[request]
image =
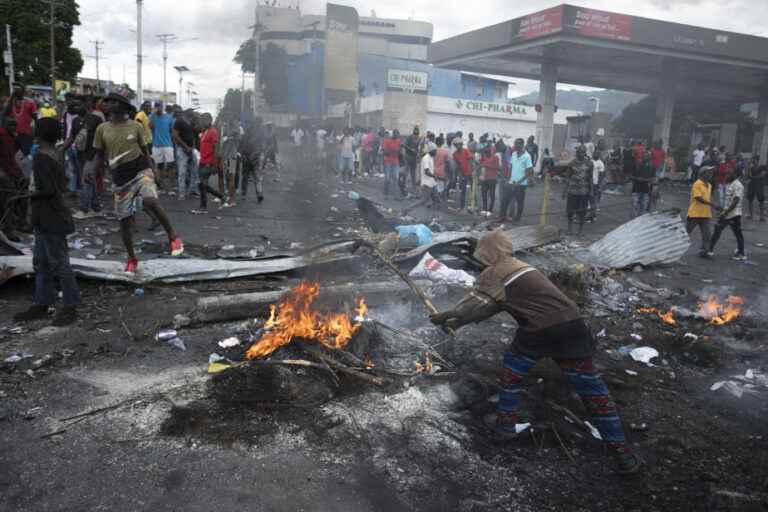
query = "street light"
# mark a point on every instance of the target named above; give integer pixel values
(596, 101)
(181, 70)
(169, 38)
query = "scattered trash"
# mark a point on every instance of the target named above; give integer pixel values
(750, 374)
(177, 343)
(595, 433)
(732, 387)
(353, 195)
(638, 427)
(90, 256)
(521, 427)
(296, 245)
(217, 367)
(334, 209)
(631, 372)
(644, 354)
(434, 270)
(422, 232)
(601, 334)
(215, 358)
(690, 336)
(234, 341)
(166, 334)
(16, 357)
(636, 337)
(139, 292)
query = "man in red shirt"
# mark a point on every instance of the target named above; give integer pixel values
(390, 148)
(23, 111)
(721, 178)
(209, 139)
(463, 158)
(657, 158)
(13, 184)
(638, 151)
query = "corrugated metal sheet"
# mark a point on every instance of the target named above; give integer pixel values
(657, 237)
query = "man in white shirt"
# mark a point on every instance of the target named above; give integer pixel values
(321, 156)
(598, 178)
(731, 216)
(428, 181)
(697, 158)
(298, 135)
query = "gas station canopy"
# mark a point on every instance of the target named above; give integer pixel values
(615, 51)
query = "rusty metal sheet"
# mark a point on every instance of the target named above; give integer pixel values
(653, 238)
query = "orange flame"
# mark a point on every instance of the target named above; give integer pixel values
(719, 314)
(427, 366)
(295, 317)
(668, 317)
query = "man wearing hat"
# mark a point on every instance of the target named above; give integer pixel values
(120, 143)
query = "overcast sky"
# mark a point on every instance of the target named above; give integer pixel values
(221, 25)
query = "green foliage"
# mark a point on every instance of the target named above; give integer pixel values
(273, 69)
(30, 34)
(246, 56)
(231, 107)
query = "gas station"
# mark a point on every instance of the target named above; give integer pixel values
(587, 47)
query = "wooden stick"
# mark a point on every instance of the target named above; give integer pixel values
(318, 353)
(418, 291)
(562, 444)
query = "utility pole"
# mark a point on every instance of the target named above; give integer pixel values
(8, 57)
(97, 47)
(53, 51)
(139, 87)
(257, 64)
(165, 38)
(181, 70)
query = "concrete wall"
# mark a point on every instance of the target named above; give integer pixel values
(404, 111)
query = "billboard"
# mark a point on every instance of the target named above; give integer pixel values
(340, 74)
(608, 25)
(539, 24)
(407, 80)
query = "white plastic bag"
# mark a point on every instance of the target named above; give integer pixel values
(434, 270)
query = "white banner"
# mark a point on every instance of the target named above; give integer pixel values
(407, 80)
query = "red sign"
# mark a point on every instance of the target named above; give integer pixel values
(541, 24)
(609, 25)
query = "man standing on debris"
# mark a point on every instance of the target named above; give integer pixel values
(549, 325)
(731, 216)
(578, 188)
(52, 222)
(120, 142)
(700, 208)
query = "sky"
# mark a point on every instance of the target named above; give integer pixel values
(210, 31)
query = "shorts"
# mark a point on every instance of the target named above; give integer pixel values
(577, 203)
(163, 155)
(128, 197)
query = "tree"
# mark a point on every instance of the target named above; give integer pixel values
(30, 35)
(246, 56)
(273, 69)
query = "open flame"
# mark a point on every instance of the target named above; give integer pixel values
(667, 318)
(295, 317)
(720, 314)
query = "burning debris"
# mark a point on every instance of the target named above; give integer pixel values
(297, 317)
(667, 318)
(717, 313)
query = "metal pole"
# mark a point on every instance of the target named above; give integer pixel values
(165, 64)
(139, 87)
(242, 98)
(181, 90)
(9, 57)
(53, 52)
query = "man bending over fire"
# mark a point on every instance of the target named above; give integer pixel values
(550, 325)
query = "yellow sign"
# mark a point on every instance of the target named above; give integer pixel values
(60, 89)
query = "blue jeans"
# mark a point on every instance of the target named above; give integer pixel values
(390, 176)
(640, 201)
(73, 169)
(50, 259)
(185, 164)
(89, 198)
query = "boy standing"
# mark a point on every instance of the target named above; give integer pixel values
(52, 223)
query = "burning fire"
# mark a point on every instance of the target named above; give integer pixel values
(720, 314)
(668, 317)
(295, 317)
(427, 366)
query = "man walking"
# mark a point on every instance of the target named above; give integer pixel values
(161, 125)
(186, 164)
(23, 111)
(731, 216)
(120, 142)
(411, 147)
(578, 188)
(756, 186)
(533, 150)
(52, 223)
(464, 161)
(251, 148)
(700, 209)
(513, 191)
(390, 147)
(642, 177)
(209, 140)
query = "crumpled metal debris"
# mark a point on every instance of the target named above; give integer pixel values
(653, 238)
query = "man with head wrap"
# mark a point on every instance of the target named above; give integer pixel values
(549, 325)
